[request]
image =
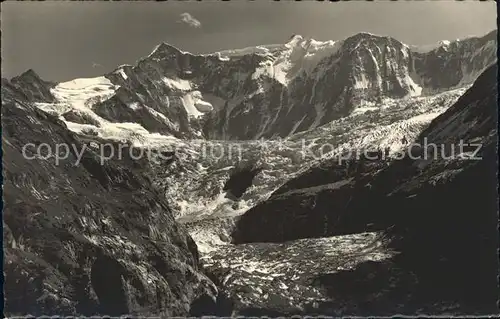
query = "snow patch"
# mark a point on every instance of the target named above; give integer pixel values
(444, 43)
(134, 105)
(415, 89)
(179, 84)
(122, 73)
(317, 51)
(365, 107)
(260, 49)
(83, 83)
(287, 60)
(361, 82)
(79, 93)
(195, 105)
(425, 48)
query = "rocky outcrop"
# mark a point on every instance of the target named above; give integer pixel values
(80, 118)
(240, 180)
(33, 86)
(455, 63)
(308, 206)
(438, 212)
(83, 237)
(168, 90)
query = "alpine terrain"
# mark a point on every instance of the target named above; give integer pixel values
(354, 177)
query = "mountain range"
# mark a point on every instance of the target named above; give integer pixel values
(264, 91)
(274, 231)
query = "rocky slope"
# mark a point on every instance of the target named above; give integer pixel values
(438, 214)
(91, 238)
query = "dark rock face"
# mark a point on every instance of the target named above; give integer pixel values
(460, 247)
(33, 86)
(439, 214)
(455, 64)
(310, 205)
(157, 119)
(89, 238)
(81, 118)
(240, 180)
(162, 84)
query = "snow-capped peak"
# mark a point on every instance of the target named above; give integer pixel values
(165, 47)
(444, 43)
(367, 34)
(294, 40)
(431, 47)
(260, 49)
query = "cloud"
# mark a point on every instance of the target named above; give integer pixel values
(188, 19)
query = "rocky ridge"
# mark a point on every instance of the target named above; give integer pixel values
(87, 239)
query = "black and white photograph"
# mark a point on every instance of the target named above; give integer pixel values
(265, 159)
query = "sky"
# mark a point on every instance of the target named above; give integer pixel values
(65, 40)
